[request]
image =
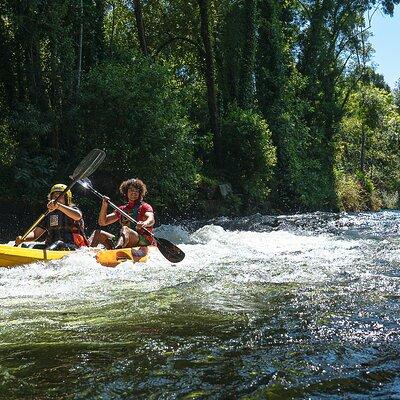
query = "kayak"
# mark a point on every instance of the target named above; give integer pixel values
(11, 256)
(111, 258)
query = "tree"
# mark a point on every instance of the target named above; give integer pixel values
(209, 72)
(236, 38)
(135, 111)
(396, 94)
(249, 157)
(137, 6)
(369, 142)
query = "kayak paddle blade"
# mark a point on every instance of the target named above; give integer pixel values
(89, 164)
(169, 250)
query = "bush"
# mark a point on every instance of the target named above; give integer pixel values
(357, 193)
(34, 176)
(390, 200)
(350, 193)
(366, 182)
(248, 155)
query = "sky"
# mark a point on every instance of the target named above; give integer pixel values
(386, 42)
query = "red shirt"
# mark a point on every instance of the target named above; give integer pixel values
(138, 216)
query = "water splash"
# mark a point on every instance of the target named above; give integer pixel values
(299, 306)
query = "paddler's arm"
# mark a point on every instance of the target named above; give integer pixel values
(104, 218)
(148, 222)
(70, 212)
(35, 234)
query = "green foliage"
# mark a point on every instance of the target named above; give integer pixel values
(357, 193)
(370, 76)
(134, 112)
(396, 95)
(365, 181)
(368, 144)
(210, 202)
(390, 200)
(7, 145)
(249, 156)
(350, 193)
(235, 43)
(31, 127)
(34, 176)
(203, 180)
(296, 71)
(296, 118)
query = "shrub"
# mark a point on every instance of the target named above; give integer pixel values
(356, 193)
(248, 155)
(350, 193)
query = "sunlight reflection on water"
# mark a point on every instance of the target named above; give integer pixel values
(307, 309)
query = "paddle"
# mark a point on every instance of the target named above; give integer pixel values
(168, 250)
(86, 167)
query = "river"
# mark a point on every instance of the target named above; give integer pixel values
(290, 307)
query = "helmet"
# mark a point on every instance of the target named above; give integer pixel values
(59, 187)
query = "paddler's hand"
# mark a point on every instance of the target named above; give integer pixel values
(105, 201)
(140, 225)
(52, 205)
(18, 240)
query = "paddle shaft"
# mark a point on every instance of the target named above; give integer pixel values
(115, 207)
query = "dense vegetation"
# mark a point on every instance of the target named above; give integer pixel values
(276, 98)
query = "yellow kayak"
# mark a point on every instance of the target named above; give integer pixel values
(11, 256)
(111, 258)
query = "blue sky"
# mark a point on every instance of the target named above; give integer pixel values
(386, 42)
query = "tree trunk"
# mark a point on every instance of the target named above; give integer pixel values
(246, 87)
(210, 79)
(140, 26)
(110, 51)
(362, 149)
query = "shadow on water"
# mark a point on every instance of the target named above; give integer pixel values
(297, 311)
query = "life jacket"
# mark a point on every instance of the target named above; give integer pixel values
(134, 213)
(78, 234)
(60, 227)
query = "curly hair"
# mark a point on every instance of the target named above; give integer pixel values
(133, 183)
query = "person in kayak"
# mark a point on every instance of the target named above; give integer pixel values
(63, 224)
(133, 190)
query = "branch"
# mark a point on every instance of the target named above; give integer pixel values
(346, 97)
(362, 30)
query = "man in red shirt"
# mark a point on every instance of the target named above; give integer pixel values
(134, 191)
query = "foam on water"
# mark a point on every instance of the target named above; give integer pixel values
(301, 306)
(217, 260)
